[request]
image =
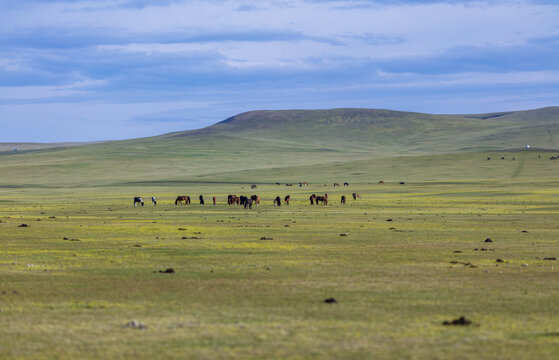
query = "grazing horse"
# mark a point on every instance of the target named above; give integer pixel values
(287, 199)
(201, 199)
(214, 199)
(255, 199)
(182, 198)
(312, 198)
(322, 199)
(381, 182)
(138, 200)
(153, 201)
(343, 200)
(346, 184)
(248, 203)
(402, 183)
(336, 184)
(243, 200)
(277, 201)
(356, 196)
(253, 186)
(233, 199)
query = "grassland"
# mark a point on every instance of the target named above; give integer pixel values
(400, 260)
(89, 262)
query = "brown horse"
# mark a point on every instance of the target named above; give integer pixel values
(381, 182)
(287, 199)
(255, 199)
(343, 200)
(356, 196)
(312, 198)
(233, 200)
(322, 199)
(182, 198)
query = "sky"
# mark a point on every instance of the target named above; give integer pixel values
(86, 70)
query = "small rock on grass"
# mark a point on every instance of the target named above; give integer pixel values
(135, 324)
(460, 321)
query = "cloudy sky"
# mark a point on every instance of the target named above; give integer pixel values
(80, 70)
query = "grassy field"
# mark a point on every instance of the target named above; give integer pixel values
(252, 283)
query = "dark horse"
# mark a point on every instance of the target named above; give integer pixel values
(201, 199)
(233, 199)
(138, 200)
(343, 200)
(287, 199)
(255, 199)
(248, 203)
(312, 198)
(182, 198)
(322, 199)
(277, 201)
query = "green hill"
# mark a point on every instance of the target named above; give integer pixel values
(288, 145)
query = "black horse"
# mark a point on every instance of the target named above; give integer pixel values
(312, 198)
(138, 200)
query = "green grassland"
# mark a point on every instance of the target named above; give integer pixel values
(400, 260)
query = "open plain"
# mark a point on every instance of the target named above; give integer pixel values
(252, 283)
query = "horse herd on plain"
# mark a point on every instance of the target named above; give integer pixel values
(248, 202)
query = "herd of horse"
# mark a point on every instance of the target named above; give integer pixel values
(248, 202)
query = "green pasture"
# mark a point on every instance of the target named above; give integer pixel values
(399, 261)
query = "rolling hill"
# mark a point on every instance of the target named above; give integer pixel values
(284, 145)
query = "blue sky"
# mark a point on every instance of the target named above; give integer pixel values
(77, 70)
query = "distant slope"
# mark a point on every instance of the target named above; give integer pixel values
(24, 146)
(392, 132)
(290, 144)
